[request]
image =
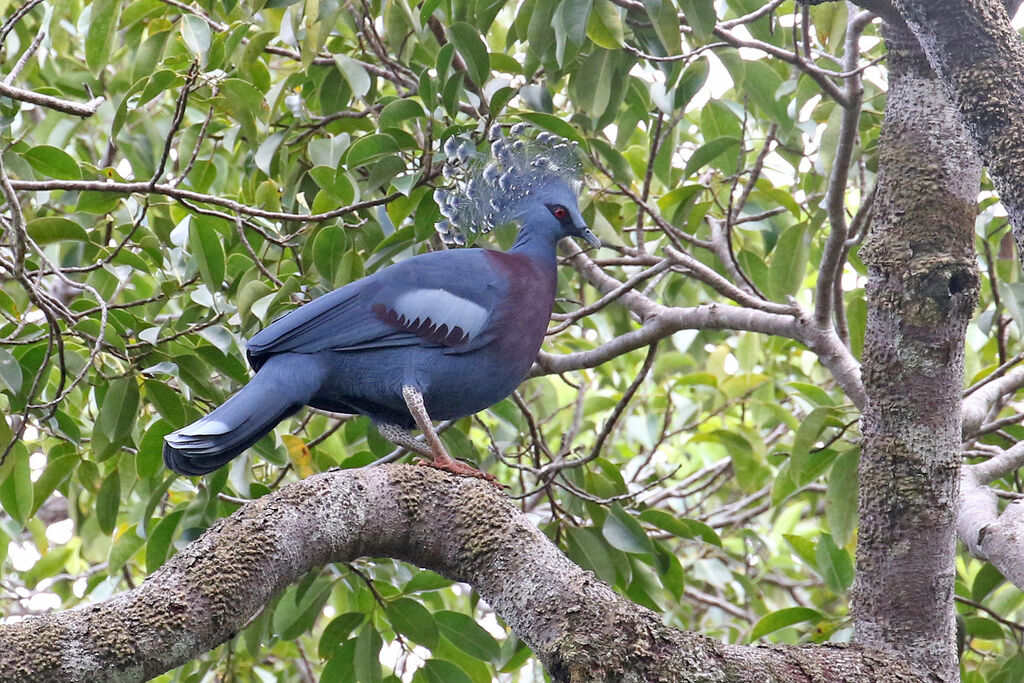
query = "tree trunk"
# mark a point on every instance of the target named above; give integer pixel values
(462, 528)
(922, 288)
(980, 59)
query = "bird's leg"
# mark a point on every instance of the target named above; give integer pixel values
(434, 447)
(401, 437)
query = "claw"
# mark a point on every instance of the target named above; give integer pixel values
(460, 469)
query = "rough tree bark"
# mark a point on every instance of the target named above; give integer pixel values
(921, 290)
(578, 626)
(980, 61)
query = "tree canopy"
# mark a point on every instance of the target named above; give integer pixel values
(176, 175)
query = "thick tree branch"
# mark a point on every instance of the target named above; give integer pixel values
(980, 402)
(462, 528)
(987, 533)
(979, 58)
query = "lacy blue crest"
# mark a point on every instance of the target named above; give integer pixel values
(487, 190)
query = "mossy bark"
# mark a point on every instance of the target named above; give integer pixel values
(463, 528)
(922, 288)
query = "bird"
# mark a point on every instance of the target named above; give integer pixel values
(438, 336)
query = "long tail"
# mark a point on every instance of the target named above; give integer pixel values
(282, 386)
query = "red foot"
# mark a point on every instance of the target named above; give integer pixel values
(460, 469)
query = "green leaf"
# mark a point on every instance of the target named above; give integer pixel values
(747, 464)
(684, 528)
(205, 244)
(782, 618)
(708, 152)
(570, 24)
(451, 93)
(101, 33)
(16, 493)
(841, 496)
(197, 36)
(789, 261)
(149, 54)
(98, 203)
(617, 163)
(398, 111)
(472, 49)
(983, 628)
(251, 292)
(586, 548)
(119, 408)
(624, 533)
(986, 581)
(10, 372)
(463, 632)
(367, 654)
(51, 229)
(412, 619)
(158, 83)
(815, 393)
(53, 162)
(604, 26)
(555, 125)
(298, 610)
(803, 547)
(354, 73)
(166, 401)
(803, 442)
(245, 104)
(57, 470)
(700, 15)
(334, 182)
(592, 82)
(369, 148)
(440, 671)
(328, 248)
(126, 545)
(425, 580)
(339, 628)
(159, 541)
(666, 24)
(341, 668)
(149, 460)
(762, 82)
(48, 565)
(107, 502)
(834, 564)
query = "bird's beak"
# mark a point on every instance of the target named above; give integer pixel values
(592, 239)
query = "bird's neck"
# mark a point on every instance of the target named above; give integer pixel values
(539, 247)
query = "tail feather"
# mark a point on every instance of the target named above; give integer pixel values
(280, 388)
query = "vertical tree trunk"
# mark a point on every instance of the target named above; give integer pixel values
(980, 59)
(922, 287)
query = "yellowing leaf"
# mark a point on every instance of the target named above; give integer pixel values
(298, 453)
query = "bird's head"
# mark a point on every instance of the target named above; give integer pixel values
(552, 211)
(532, 180)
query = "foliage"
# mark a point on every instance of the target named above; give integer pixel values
(248, 157)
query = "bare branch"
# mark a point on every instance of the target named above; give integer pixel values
(180, 194)
(51, 102)
(835, 199)
(977, 405)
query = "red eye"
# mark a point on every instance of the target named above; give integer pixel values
(560, 212)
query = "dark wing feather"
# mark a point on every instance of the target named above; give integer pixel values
(413, 302)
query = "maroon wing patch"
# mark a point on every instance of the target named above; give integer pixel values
(424, 328)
